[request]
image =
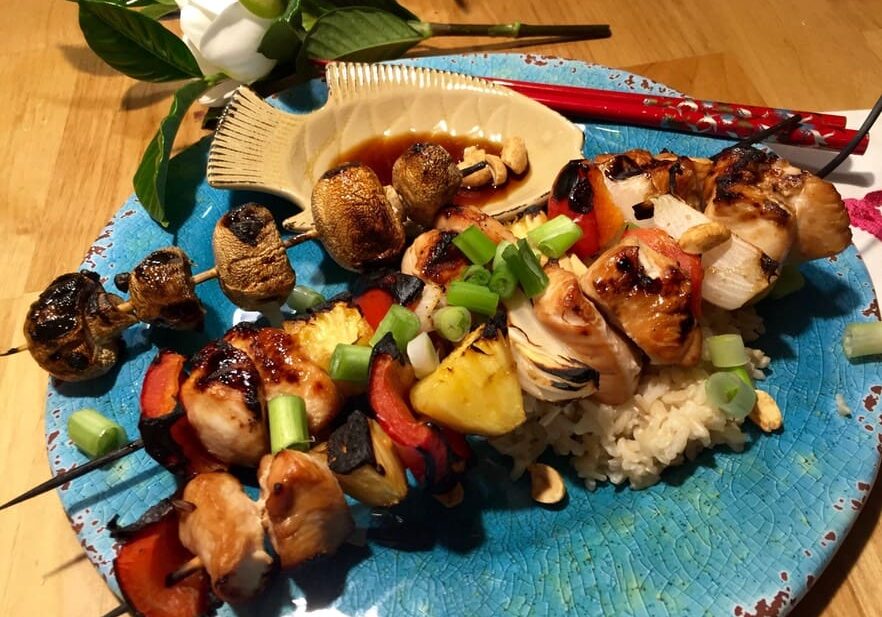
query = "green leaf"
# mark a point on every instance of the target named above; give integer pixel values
(149, 180)
(285, 35)
(135, 44)
(313, 9)
(358, 34)
(158, 10)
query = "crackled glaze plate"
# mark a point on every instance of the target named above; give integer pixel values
(728, 533)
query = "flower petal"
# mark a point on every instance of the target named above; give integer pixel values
(231, 43)
(217, 96)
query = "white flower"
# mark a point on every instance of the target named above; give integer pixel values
(224, 36)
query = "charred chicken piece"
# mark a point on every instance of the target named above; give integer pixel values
(357, 222)
(285, 370)
(649, 297)
(224, 530)
(73, 328)
(225, 404)
(250, 258)
(459, 218)
(162, 291)
(776, 206)
(426, 178)
(304, 510)
(433, 258)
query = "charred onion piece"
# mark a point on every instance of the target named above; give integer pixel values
(162, 290)
(426, 178)
(250, 258)
(73, 327)
(355, 220)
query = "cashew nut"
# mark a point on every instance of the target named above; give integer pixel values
(498, 171)
(470, 156)
(766, 414)
(704, 237)
(514, 154)
(546, 484)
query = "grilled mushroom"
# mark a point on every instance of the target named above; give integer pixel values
(356, 221)
(250, 258)
(426, 178)
(73, 328)
(162, 290)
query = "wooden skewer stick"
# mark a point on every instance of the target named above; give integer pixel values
(191, 567)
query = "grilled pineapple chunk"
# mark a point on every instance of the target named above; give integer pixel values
(321, 331)
(475, 390)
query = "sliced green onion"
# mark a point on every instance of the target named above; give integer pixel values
(503, 281)
(555, 237)
(862, 339)
(452, 322)
(475, 245)
(94, 434)
(289, 427)
(790, 280)
(727, 350)
(350, 363)
(524, 265)
(479, 275)
(422, 355)
(727, 392)
(401, 322)
(473, 297)
(742, 374)
(302, 298)
(498, 259)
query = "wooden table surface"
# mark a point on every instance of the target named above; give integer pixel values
(73, 131)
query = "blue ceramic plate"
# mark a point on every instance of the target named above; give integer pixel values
(727, 534)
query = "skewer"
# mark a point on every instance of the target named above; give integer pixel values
(191, 567)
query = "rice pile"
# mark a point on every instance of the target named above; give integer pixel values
(666, 422)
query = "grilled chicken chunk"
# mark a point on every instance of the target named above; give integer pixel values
(284, 370)
(649, 297)
(224, 530)
(73, 328)
(251, 263)
(162, 291)
(460, 218)
(225, 403)
(433, 258)
(573, 318)
(304, 510)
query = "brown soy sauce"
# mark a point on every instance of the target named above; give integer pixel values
(380, 153)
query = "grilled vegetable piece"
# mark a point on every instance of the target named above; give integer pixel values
(303, 507)
(376, 291)
(735, 272)
(285, 370)
(149, 552)
(426, 178)
(530, 219)
(459, 218)
(379, 482)
(168, 437)
(73, 328)
(162, 291)
(649, 296)
(475, 389)
(225, 403)
(358, 224)
(224, 530)
(319, 332)
(434, 455)
(250, 258)
(433, 258)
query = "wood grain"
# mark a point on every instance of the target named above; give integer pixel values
(73, 131)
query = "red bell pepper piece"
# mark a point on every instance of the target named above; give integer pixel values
(660, 242)
(374, 304)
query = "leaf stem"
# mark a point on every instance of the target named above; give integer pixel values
(513, 30)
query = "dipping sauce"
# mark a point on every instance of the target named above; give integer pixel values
(380, 153)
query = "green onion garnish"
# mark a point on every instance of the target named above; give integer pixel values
(790, 280)
(498, 259)
(742, 374)
(727, 350)
(479, 275)
(302, 298)
(452, 322)
(402, 323)
(94, 434)
(503, 281)
(475, 245)
(473, 297)
(422, 355)
(555, 237)
(727, 392)
(350, 363)
(524, 265)
(862, 339)
(289, 427)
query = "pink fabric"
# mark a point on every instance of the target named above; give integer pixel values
(866, 213)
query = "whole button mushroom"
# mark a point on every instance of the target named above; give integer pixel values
(358, 225)
(426, 178)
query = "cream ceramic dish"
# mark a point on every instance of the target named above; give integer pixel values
(258, 147)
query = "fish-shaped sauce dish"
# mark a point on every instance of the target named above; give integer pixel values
(258, 147)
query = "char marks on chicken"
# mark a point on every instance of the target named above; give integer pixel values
(73, 327)
(433, 258)
(162, 291)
